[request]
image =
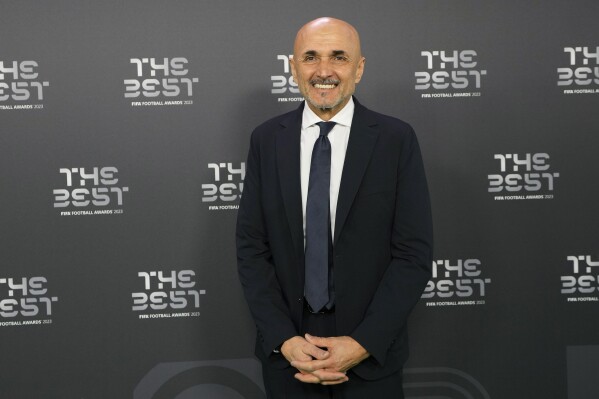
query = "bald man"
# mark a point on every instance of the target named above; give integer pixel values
(334, 231)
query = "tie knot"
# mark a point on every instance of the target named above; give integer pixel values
(325, 127)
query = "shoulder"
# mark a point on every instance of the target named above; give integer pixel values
(384, 124)
(392, 123)
(272, 125)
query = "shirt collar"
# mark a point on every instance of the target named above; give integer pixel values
(343, 117)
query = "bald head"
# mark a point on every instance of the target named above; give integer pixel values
(327, 26)
(327, 64)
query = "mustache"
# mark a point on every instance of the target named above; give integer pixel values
(324, 81)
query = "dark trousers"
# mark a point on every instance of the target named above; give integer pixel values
(281, 383)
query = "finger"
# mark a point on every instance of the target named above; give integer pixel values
(335, 382)
(301, 356)
(330, 375)
(318, 341)
(307, 378)
(315, 351)
(311, 365)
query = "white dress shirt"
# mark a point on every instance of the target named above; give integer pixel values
(339, 137)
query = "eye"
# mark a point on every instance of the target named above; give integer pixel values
(339, 59)
(309, 59)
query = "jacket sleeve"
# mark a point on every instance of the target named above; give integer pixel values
(406, 276)
(255, 262)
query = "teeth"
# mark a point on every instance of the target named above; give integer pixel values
(321, 86)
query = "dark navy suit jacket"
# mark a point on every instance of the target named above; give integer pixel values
(382, 246)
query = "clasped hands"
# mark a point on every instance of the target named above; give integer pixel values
(326, 366)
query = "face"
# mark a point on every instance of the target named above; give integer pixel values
(327, 64)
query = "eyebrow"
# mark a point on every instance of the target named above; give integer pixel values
(335, 52)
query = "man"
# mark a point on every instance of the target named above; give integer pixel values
(334, 233)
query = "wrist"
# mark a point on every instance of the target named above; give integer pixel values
(284, 347)
(361, 351)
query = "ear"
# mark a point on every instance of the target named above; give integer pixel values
(360, 70)
(293, 70)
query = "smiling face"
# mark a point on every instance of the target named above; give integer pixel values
(327, 64)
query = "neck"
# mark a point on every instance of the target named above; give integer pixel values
(326, 114)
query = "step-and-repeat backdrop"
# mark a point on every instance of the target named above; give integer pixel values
(124, 128)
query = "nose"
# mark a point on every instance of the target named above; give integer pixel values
(324, 69)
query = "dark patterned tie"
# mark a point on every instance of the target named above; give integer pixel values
(317, 221)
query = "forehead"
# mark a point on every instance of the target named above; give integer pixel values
(326, 39)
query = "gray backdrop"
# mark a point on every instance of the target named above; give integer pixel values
(124, 131)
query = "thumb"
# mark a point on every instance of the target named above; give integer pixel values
(318, 341)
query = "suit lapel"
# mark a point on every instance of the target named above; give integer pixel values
(288, 165)
(362, 139)
(361, 143)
